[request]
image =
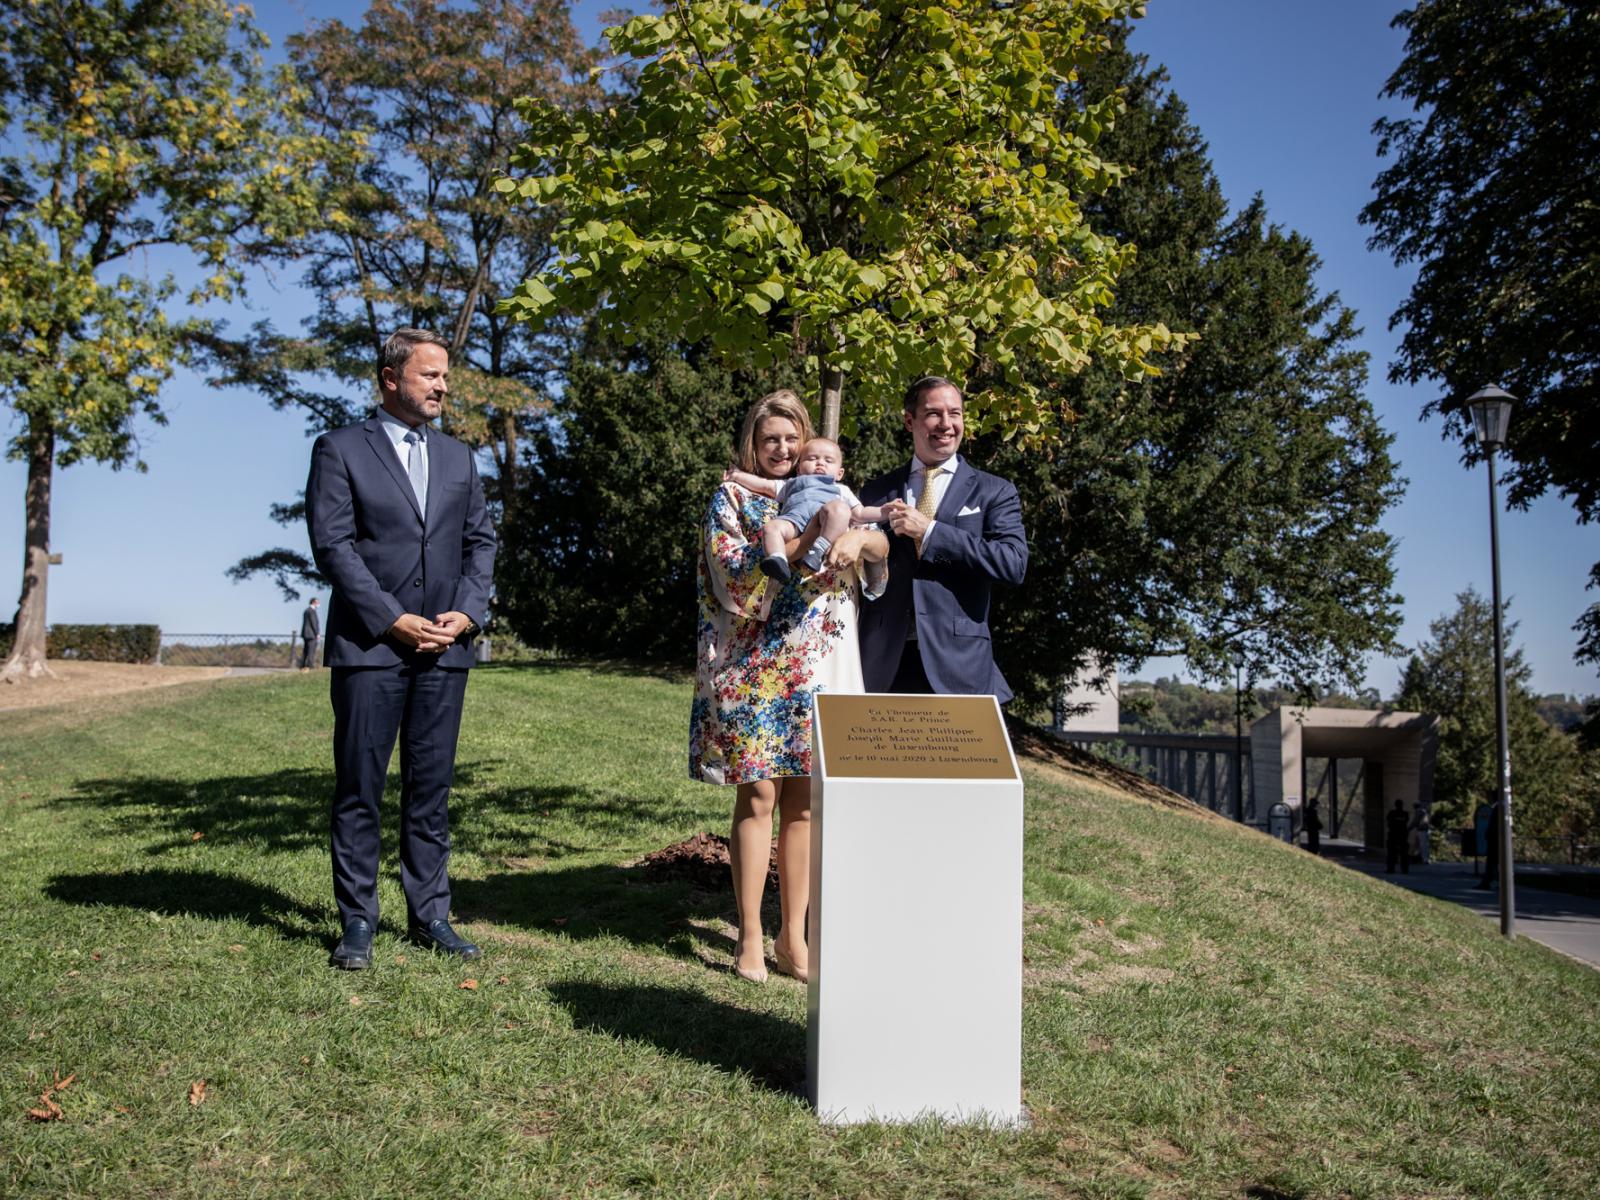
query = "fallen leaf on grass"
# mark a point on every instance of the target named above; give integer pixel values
(50, 1110)
(235, 948)
(469, 985)
(197, 1092)
(400, 960)
(356, 1001)
(196, 836)
(70, 974)
(504, 979)
(95, 956)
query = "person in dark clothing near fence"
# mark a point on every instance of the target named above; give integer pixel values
(1491, 849)
(1313, 827)
(1398, 841)
(310, 635)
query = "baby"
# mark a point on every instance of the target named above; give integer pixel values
(811, 496)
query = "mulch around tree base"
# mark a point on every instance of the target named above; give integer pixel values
(701, 861)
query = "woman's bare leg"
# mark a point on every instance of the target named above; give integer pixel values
(749, 848)
(794, 868)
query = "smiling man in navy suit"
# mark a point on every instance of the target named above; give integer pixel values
(399, 527)
(958, 532)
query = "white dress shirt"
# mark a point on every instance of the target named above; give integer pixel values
(397, 430)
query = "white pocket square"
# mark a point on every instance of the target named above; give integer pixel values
(969, 511)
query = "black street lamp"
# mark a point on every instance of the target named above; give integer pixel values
(1491, 414)
(1238, 736)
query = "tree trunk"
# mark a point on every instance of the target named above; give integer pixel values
(832, 390)
(508, 466)
(27, 651)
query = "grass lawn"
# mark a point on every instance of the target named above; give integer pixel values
(1207, 1013)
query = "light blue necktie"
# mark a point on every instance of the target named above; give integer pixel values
(417, 468)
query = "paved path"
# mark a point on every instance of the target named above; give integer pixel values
(1570, 924)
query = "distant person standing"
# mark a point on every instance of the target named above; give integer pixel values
(1491, 850)
(1422, 831)
(399, 527)
(1398, 825)
(310, 635)
(1313, 825)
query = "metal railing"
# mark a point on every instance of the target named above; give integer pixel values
(281, 650)
(1560, 851)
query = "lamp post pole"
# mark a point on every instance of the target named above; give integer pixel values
(1491, 412)
(1238, 738)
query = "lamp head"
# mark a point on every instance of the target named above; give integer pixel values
(1491, 415)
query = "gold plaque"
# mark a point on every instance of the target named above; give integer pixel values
(914, 737)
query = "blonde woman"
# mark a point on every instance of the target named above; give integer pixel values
(764, 648)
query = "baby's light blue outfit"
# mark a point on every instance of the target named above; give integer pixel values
(800, 498)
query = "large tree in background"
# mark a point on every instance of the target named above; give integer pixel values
(1452, 674)
(127, 127)
(614, 491)
(876, 191)
(1494, 193)
(1233, 503)
(412, 231)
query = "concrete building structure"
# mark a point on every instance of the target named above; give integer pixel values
(1092, 705)
(1396, 749)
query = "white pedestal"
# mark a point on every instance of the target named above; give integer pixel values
(915, 1000)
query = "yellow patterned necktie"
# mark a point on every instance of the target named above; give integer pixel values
(926, 503)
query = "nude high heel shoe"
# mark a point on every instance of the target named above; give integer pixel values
(786, 966)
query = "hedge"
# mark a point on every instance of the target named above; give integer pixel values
(96, 643)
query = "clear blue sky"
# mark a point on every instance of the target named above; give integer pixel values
(1285, 94)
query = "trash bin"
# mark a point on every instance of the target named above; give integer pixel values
(1280, 822)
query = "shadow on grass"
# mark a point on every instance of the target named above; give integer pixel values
(287, 810)
(204, 894)
(597, 901)
(689, 1024)
(282, 810)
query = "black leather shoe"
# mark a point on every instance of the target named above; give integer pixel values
(354, 951)
(437, 935)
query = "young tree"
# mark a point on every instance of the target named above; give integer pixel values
(1233, 503)
(808, 183)
(1452, 675)
(412, 232)
(127, 127)
(1493, 193)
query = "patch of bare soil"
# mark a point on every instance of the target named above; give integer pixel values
(701, 861)
(75, 682)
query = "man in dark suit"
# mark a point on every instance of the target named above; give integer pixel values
(398, 525)
(958, 531)
(310, 632)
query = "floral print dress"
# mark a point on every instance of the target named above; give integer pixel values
(764, 649)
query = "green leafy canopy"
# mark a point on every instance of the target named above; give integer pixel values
(881, 191)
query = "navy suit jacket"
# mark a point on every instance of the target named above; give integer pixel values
(369, 539)
(978, 541)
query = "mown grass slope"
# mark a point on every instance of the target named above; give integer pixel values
(1207, 1013)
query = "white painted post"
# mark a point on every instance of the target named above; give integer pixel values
(915, 999)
